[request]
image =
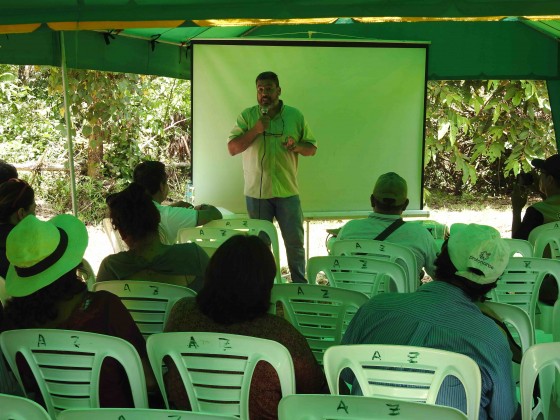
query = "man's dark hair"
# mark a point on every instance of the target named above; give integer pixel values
(133, 212)
(238, 281)
(150, 175)
(445, 271)
(15, 194)
(7, 171)
(388, 204)
(268, 75)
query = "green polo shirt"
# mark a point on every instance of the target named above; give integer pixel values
(266, 158)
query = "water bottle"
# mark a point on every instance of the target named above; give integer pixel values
(189, 193)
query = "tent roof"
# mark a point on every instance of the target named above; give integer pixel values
(470, 39)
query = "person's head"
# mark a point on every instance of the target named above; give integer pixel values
(549, 174)
(40, 252)
(133, 214)
(390, 194)
(268, 89)
(152, 177)
(7, 171)
(473, 258)
(17, 200)
(238, 281)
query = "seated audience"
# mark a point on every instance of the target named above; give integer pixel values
(389, 200)
(152, 177)
(17, 200)
(443, 314)
(135, 216)
(7, 171)
(48, 294)
(235, 299)
(545, 211)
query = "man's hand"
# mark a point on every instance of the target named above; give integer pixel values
(290, 144)
(518, 197)
(262, 124)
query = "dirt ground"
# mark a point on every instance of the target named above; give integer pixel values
(99, 246)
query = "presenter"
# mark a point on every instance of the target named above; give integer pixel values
(271, 135)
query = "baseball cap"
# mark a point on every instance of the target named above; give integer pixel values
(391, 186)
(550, 165)
(477, 247)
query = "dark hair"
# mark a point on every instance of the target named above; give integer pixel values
(40, 307)
(387, 204)
(133, 212)
(150, 175)
(238, 281)
(7, 171)
(15, 194)
(268, 75)
(445, 271)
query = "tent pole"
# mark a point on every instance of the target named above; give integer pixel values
(69, 139)
(553, 87)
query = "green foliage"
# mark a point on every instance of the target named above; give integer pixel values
(480, 134)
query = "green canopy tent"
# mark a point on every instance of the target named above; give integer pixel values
(470, 39)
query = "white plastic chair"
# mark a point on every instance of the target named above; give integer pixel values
(383, 250)
(3, 294)
(149, 303)
(66, 365)
(114, 236)
(542, 360)
(19, 408)
(217, 368)
(362, 274)
(208, 238)
(387, 370)
(320, 313)
(519, 248)
(254, 227)
(546, 240)
(137, 414)
(520, 283)
(327, 407)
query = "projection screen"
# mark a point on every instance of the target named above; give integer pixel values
(364, 102)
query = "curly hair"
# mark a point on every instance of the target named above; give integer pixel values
(238, 281)
(14, 195)
(445, 271)
(7, 171)
(150, 175)
(38, 308)
(133, 212)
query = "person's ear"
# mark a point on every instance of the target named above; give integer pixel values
(405, 205)
(21, 213)
(279, 90)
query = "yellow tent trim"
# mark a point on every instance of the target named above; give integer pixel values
(113, 24)
(261, 22)
(19, 29)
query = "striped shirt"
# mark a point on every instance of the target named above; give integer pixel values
(441, 316)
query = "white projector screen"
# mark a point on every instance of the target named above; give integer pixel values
(363, 101)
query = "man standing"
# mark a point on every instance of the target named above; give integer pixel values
(152, 176)
(270, 136)
(443, 314)
(389, 199)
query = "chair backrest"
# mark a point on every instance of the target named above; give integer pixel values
(383, 250)
(208, 238)
(320, 313)
(542, 360)
(137, 414)
(217, 368)
(388, 371)
(519, 248)
(520, 283)
(19, 408)
(517, 318)
(546, 240)
(254, 227)
(362, 274)
(335, 407)
(149, 303)
(114, 236)
(66, 365)
(3, 294)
